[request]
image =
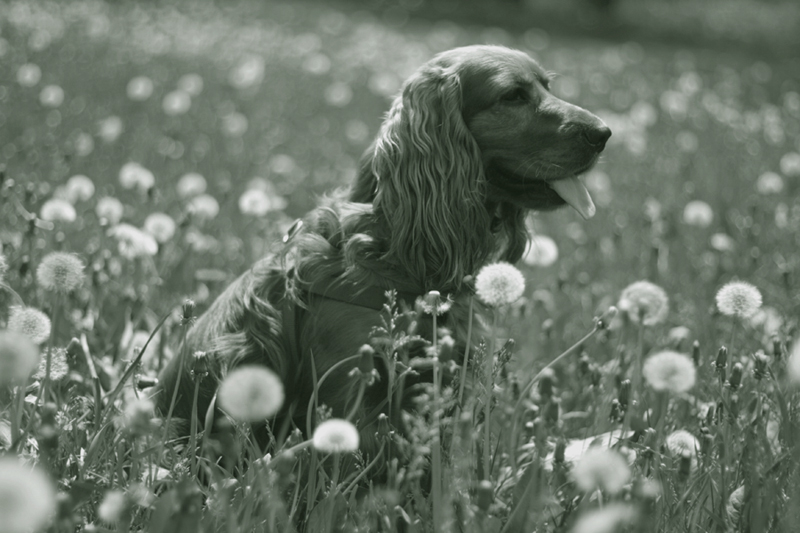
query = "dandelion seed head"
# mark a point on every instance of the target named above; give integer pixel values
(133, 175)
(114, 505)
(669, 371)
(499, 283)
(160, 226)
(29, 74)
(137, 418)
(79, 188)
(31, 322)
(190, 185)
(698, 213)
(722, 242)
(140, 88)
(176, 103)
(133, 242)
(204, 206)
(110, 129)
(60, 272)
(610, 518)
(57, 210)
(51, 96)
(769, 183)
(601, 468)
(738, 298)
(110, 209)
(191, 84)
(644, 301)
(58, 365)
(336, 436)
(251, 393)
(18, 357)
(681, 441)
(27, 497)
(542, 251)
(255, 202)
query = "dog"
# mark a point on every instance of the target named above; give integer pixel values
(474, 141)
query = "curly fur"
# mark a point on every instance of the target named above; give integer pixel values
(444, 189)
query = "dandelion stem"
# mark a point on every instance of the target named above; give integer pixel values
(487, 412)
(191, 450)
(436, 448)
(463, 377)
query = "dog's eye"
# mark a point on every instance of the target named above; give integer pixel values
(515, 96)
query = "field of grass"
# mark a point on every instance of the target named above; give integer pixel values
(229, 121)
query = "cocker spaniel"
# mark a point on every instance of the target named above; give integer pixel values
(473, 142)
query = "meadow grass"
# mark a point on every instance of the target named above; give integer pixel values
(167, 148)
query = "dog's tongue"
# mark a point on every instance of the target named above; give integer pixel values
(575, 194)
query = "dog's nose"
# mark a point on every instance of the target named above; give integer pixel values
(597, 136)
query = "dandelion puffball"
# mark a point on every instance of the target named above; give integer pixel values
(27, 497)
(109, 209)
(610, 518)
(601, 468)
(499, 283)
(669, 371)
(31, 322)
(644, 301)
(336, 436)
(251, 393)
(57, 210)
(542, 251)
(60, 272)
(738, 298)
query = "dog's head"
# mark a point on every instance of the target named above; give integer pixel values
(474, 140)
(533, 144)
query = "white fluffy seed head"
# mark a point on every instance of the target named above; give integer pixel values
(251, 393)
(27, 497)
(738, 298)
(499, 283)
(601, 468)
(30, 322)
(60, 272)
(336, 436)
(669, 371)
(610, 518)
(644, 301)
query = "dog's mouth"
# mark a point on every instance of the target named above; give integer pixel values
(574, 193)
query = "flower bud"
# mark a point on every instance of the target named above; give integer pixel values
(696, 353)
(624, 394)
(760, 366)
(200, 366)
(484, 495)
(187, 311)
(685, 466)
(606, 318)
(559, 452)
(735, 380)
(722, 358)
(384, 428)
(366, 362)
(546, 384)
(777, 347)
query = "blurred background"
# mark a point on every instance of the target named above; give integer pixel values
(232, 117)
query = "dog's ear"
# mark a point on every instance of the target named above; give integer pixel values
(429, 185)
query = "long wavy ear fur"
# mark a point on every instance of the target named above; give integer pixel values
(430, 188)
